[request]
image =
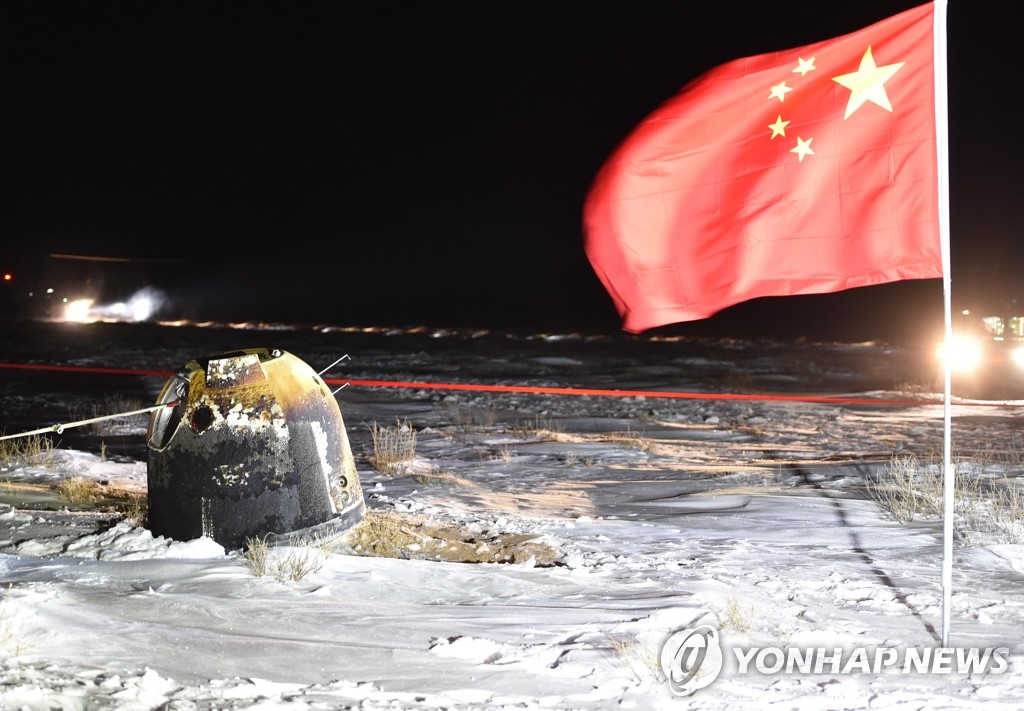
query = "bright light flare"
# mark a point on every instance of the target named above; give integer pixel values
(142, 305)
(962, 355)
(78, 311)
(1017, 356)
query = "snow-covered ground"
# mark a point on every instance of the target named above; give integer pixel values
(744, 509)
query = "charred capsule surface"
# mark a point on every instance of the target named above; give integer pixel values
(252, 443)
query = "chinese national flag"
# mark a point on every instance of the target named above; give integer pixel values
(804, 171)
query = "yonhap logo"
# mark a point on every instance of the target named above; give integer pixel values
(692, 659)
(874, 660)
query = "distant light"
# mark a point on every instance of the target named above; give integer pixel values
(8, 276)
(964, 354)
(50, 290)
(78, 311)
(142, 306)
(966, 312)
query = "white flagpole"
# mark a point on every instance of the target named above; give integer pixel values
(942, 152)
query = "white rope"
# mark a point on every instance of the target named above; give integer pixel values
(321, 373)
(58, 428)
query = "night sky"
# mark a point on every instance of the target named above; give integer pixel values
(425, 163)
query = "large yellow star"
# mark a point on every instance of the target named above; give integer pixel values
(868, 83)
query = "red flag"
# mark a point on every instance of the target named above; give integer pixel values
(804, 171)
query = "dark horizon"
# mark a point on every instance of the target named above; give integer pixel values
(399, 164)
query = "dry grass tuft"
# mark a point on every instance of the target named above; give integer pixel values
(1007, 511)
(505, 454)
(914, 390)
(256, 556)
(286, 564)
(539, 426)
(911, 488)
(31, 450)
(111, 405)
(12, 639)
(636, 659)
(631, 439)
(136, 508)
(445, 480)
(736, 617)
(394, 448)
(78, 491)
(466, 417)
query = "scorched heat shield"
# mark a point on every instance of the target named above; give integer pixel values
(252, 444)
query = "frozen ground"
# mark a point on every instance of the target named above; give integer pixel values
(727, 508)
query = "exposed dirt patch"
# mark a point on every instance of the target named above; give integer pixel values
(397, 535)
(73, 494)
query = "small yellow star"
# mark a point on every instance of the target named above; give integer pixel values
(779, 127)
(779, 91)
(868, 83)
(803, 148)
(804, 65)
